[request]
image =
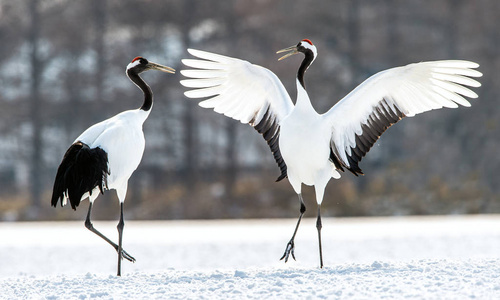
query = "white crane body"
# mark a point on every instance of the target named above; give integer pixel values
(105, 155)
(311, 148)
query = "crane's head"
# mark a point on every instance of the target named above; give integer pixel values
(305, 46)
(140, 64)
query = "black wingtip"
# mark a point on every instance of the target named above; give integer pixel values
(281, 177)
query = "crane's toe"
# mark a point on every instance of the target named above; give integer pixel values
(290, 247)
(127, 256)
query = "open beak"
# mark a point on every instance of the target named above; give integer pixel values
(153, 66)
(291, 51)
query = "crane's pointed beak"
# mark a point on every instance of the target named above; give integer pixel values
(153, 66)
(291, 51)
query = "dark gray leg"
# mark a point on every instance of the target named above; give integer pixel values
(90, 226)
(290, 247)
(319, 226)
(120, 226)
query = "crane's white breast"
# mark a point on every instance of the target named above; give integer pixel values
(304, 148)
(122, 138)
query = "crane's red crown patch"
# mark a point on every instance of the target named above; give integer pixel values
(308, 41)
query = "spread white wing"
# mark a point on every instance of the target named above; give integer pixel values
(358, 120)
(240, 90)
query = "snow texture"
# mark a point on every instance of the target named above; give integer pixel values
(365, 258)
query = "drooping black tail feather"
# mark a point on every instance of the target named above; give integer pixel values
(81, 170)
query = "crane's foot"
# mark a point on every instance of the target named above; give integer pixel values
(127, 256)
(290, 247)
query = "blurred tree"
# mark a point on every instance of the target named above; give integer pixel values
(190, 123)
(100, 15)
(35, 106)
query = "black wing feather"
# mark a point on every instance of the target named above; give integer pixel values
(377, 123)
(270, 130)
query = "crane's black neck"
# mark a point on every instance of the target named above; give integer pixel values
(148, 94)
(308, 59)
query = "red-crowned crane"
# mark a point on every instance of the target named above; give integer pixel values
(105, 155)
(311, 148)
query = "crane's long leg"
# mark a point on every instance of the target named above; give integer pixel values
(319, 226)
(290, 247)
(120, 238)
(90, 227)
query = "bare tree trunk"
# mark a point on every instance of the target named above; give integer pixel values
(231, 171)
(189, 122)
(72, 83)
(393, 55)
(452, 27)
(100, 8)
(353, 34)
(35, 112)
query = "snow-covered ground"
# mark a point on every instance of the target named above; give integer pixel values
(455, 257)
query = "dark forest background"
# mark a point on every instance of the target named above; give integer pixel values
(62, 69)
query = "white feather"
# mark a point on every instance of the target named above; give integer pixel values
(413, 89)
(237, 88)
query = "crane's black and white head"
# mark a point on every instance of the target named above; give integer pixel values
(308, 49)
(140, 64)
(305, 46)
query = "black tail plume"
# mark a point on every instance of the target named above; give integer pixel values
(81, 170)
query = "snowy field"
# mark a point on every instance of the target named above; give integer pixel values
(454, 257)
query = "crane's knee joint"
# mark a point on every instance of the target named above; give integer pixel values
(302, 208)
(88, 224)
(120, 225)
(319, 225)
